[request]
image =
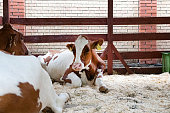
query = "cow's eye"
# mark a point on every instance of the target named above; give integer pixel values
(86, 50)
(22, 38)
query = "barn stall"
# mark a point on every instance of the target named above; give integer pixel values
(134, 93)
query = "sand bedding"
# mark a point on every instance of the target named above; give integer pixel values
(128, 94)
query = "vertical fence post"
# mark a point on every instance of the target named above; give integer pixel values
(6, 18)
(109, 37)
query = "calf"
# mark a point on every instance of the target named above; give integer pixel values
(12, 41)
(78, 65)
(25, 87)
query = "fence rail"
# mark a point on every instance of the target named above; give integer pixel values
(90, 21)
(115, 37)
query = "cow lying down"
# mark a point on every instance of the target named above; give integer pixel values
(80, 65)
(12, 41)
(25, 87)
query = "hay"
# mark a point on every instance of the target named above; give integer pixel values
(128, 94)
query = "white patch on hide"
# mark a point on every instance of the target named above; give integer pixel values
(84, 79)
(87, 66)
(15, 70)
(99, 80)
(23, 69)
(80, 44)
(76, 81)
(56, 68)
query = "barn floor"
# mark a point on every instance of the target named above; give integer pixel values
(128, 94)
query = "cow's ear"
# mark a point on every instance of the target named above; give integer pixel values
(97, 44)
(70, 46)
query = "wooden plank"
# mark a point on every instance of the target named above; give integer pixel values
(59, 21)
(109, 37)
(6, 18)
(140, 70)
(60, 38)
(141, 20)
(141, 36)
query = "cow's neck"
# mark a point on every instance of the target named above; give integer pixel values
(90, 72)
(87, 66)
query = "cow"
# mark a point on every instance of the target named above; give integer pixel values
(25, 87)
(12, 41)
(80, 65)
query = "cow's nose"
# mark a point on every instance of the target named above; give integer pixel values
(77, 66)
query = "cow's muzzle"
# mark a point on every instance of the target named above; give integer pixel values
(77, 66)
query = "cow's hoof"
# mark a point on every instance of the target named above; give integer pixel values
(65, 96)
(47, 110)
(69, 97)
(103, 89)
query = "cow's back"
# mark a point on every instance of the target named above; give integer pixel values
(59, 64)
(19, 84)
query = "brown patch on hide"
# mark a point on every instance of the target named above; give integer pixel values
(47, 60)
(26, 103)
(55, 57)
(12, 41)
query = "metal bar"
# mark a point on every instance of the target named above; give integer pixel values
(131, 55)
(6, 18)
(109, 37)
(141, 20)
(59, 21)
(140, 55)
(60, 38)
(117, 37)
(141, 36)
(104, 54)
(140, 70)
(90, 21)
(121, 59)
(1, 20)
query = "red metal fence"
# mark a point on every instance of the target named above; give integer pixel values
(110, 52)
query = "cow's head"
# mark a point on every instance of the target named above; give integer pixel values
(12, 41)
(82, 50)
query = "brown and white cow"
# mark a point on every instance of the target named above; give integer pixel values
(77, 66)
(12, 41)
(25, 87)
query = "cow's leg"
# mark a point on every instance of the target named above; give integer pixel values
(72, 79)
(99, 82)
(43, 64)
(48, 96)
(60, 100)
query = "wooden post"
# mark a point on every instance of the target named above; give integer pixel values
(6, 18)
(109, 37)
